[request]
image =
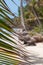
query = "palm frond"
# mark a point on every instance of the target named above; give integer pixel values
(10, 46)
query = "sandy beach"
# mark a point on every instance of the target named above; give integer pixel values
(36, 54)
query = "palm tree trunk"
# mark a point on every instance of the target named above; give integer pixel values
(39, 3)
(40, 26)
(22, 18)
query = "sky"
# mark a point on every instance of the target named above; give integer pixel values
(12, 6)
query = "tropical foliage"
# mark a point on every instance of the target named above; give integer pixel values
(11, 48)
(33, 14)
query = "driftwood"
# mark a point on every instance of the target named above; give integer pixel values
(28, 40)
(38, 38)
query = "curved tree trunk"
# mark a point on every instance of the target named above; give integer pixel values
(40, 26)
(22, 18)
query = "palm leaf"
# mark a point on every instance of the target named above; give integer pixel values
(4, 6)
(11, 47)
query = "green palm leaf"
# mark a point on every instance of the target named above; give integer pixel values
(11, 48)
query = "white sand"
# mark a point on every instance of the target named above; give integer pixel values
(37, 54)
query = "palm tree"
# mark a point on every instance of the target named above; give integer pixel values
(32, 8)
(22, 18)
(21, 11)
(11, 48)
